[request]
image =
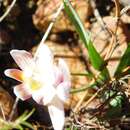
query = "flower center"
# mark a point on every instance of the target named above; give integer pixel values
(32, 83)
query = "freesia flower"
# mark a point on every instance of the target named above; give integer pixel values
(44, 81)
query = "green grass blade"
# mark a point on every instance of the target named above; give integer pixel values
(101, 79)
(74, 18)
(124, 62)
(95, 58)
(27, 124)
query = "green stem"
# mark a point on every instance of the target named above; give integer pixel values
(83, 88)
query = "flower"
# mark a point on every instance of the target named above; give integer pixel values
(44, 81)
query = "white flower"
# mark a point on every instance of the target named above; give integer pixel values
(41, 79)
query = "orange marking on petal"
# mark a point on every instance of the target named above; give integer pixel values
(15, 74)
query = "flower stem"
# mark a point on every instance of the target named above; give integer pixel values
(13, 109)
(49, 28)
(7, 11)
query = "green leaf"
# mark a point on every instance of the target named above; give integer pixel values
(115, 104)
(103, 76)
(68, 128)
(19, 127)
(74, 18)
(95, 58)
(27, 124)
(71, 128)
(17, 124)
(26, 115)
(124, 62)
(76, 90)
(97, 62)
(117, 101)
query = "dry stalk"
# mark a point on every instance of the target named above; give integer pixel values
(113, 44)
(76, 109)
(124, 10)
(49, 28)
(78, 105)
(93, 97)
(99, 18)
(2, 111)
(7, 11)
(13, 109)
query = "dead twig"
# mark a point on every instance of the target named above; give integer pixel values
(76, 109)
(13, 109)
(2, 111)
(49, 28)
(7, 11)
(124, 10)
(112, 45)
(1, 2)
(99, 18)
(93, 97)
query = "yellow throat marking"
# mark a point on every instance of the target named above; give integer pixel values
(32, 83)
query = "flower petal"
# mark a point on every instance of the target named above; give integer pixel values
(64, 69)
(23, 59)
(38, 96)
(63, 91)
(56, 111)
(44, 56)
(58, 76)
(22, 92)
(15, 74)
(44, 95)
(44, 62)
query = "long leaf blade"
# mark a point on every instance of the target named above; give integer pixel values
(124, 62)
(94, 56)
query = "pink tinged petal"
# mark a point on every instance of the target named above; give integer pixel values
(58, 76)
(44, 95)
(15, 74)
(44, 62)
(63, 91)
(64, 69)
(22, 92)
(56, 111)
(23, 59)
